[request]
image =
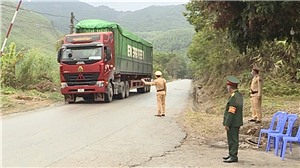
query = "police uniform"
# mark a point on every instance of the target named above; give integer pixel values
(255, 96)
(161, 90)
(233, 119)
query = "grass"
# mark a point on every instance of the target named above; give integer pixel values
(30, 30)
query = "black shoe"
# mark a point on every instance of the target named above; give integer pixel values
(157, 115)
(230, 160)
(252, 120)
(163, 115)
(257, 122)
(226, 157)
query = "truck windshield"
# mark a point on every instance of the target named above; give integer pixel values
(92, 53)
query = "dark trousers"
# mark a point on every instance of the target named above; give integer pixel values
(233, 141)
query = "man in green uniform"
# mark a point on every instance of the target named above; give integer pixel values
(233, 118)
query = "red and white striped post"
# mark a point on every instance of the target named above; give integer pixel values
(11, 24)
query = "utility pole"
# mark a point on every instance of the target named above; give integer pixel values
(72, 23)
(11, 24)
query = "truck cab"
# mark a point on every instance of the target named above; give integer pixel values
(88, 69)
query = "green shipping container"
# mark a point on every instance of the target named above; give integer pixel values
(134, 55)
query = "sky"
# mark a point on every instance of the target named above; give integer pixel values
(133, 5)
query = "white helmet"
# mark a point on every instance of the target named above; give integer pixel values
(158, 73)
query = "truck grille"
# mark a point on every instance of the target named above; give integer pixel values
(81, 78)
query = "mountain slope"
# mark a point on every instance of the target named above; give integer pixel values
(176, 40)
(164, 26)
(154, 18)
(60, 12)
(29, 29)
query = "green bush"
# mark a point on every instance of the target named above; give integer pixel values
(9, 61)
(214, 58)
(33, 69)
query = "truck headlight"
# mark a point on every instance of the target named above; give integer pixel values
(63, 85)
(100, 83)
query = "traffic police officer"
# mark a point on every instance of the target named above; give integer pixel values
(255, 95)
(161, 90)
(233, 118)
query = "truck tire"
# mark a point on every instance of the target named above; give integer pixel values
(142, 90)
(70, 99)
(108, 96)
(148, 88)
(127, 89)
(121, 95)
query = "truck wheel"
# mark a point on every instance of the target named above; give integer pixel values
(108, 96)
(71, 99)
(144, 89)
(140, 90)
(127, 89)
(148, 88)
(121, 95)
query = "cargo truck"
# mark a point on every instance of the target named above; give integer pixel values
(102, 61)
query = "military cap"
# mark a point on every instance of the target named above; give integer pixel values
(231, 80)
(255, 67)
(158, 73)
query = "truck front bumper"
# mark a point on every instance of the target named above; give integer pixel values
(82, 89)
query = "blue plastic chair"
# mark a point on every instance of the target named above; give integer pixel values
(289, 139)
(280, 118)
(278, 136)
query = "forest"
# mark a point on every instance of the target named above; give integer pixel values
(233, 35)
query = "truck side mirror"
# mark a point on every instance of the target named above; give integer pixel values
(108, 54)
(59, 55)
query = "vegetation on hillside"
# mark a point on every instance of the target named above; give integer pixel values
(174, 41)
(216, 48)
(30, 30)
(248, 24)
(154, 18)
(28, 70)
(29, 59)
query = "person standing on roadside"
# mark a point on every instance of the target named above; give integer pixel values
(161, 90)
(233, 119)
(255, 95)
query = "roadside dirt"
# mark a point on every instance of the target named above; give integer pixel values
(16, 103)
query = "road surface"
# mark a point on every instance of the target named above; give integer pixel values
(124, 133)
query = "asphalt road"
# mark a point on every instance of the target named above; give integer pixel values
(121, 133)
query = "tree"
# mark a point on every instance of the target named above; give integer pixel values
(177, 67)
(248, 23)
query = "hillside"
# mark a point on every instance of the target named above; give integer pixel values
(176, 40)
(153, 18)
(59, 12)
(164, 26)
(29, 30)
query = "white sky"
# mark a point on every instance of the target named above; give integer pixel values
(132, 5)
